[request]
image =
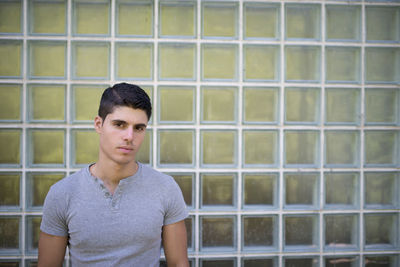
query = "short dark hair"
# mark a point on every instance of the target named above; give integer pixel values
(124, 94)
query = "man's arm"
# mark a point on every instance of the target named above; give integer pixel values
(51, 250)
(175, 244)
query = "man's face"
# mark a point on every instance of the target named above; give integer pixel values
(121, 134)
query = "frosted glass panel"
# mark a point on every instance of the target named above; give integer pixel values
(185, 182)
(9, 190)
(91, 17)
(176, 147)
(217, 232)
(218, 147)
(91, 60)
(302, 105)
(219, 62)
(301, 190)
(383, 23)
(341, 232)
(381, 147)
(217, 263)
(341, 189)
(342, 148)
(47, 147)
(33, 228)
(10, 51)
(47, 59)
(382, 64)
(342, 106)
(170, 111)
(10, 142)
(178, 19)
(144, 154)
(177, 61)
(381, 189)
(381, 261)
(260, 189)
(48, 17)
(302, 63)
(47, 102)
(341, 261)
(260, 105)
(134, 61)
(39, 185)
(260, 148)
(10, 16)
(134, 18)
(86, 101)
(9, 233)
(301, 148)
(219, 20)
(10, 102)
(381, 230)
(85, 148)
(303, 21)
(258, 262)
(261, 62)
(382, 106)
(343, 22)
(342, 64)
(261, 20)
(258, 232)
(218, 190)
(300, 231)
(218, 104)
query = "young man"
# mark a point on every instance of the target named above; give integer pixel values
(115, 212)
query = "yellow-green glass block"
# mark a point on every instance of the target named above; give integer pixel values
(47, 59)
(381, 147)
(341, 148)
(219, 20)
(178, 19)
(91, 60)
(47, 147)
(383, 23)
(219, 104)
(258, 233)
(259, 189)
(303, 63)
(382, 106)
(218, 232)
(302, 105)
(300, 230)
(261, 21)
(380, 188)
(176, 104)
(300, 189)
(218, 147)
(135, 18)
(185, 182)
(10, 146)
(217, 190)
(10, 16)
(10, 51)
(10, 263)
(47, 102)
(342, 105)
(261, 62)
(219, 62)
(33, 227)
(144, 154)
(177, 61)
(10, 102)
(86, 102)
(341, 232)
(380, 229)
(176, 147)
(86, 147)
(10, 189)
(9, 233)
(301, 147)
(260, 104)
(48, 17)
(382, 64)
(260, 147)
(91, 17)
(303, 21)
(39, 184)
(134, 60)
(342, 64)
(343, 22)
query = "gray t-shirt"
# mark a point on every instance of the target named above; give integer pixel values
(123, 229)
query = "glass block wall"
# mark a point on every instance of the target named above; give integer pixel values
(279, 120)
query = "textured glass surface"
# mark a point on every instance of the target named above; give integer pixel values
(301, 189)
(341, 261)
(300, 230)
(261, 20)
(10, 102)
(343, 22)
(32, 224)
(258, 262)
(91, 17)
(178, 19)
(260, 104)
(341, 189)
(218, 190)
(86, 99)
(38, 186)
(341, 231)
(260, 147)
(380, 230)
(9, 189)
(259, 189)
(9, 263)
(258, 232)
(219, 62)
(185, 182)
(144, 154)
(382, 106)
(218, 232)
(261, 62)
(301, 147)
(10, 144)
(218, 147)
(176, 146)
(48, 17)
(10, 51)
(85, 147)
(381, 189)
(134, 61)
(10, 16)
(9, 233)
(342, 64)
(381, 147)
(47, 147)
(218, 104)
(189, 233)
(47, 59)
(47, 102)
(342, 148)
(177, 61)
(303, 21)
(134, 18)
(381, 260)
(382, 64)
(342, 106)
(219, 20)
(383, 23)
(177, 104)
(91, 60)
(302, 63)
(217, 262)
(302, 105)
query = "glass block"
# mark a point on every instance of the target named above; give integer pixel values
(189, 233)
(177, 61)
(10, 16)
(341, 189)
(217, 233)
(342, 261)
(301, 262)
(86, 99)
(260, 190)
(10, 184)
(10, 263)
(259, 232)
(185, 182)
(134, 18)
(381, 260)
(90, 60)
(261, 63)
(46, 102)
(218, 190)
(343, 22)
(343, 64)
(219, 62)
(10, 51)
(9, 234)
(341, 232)
(260, 148)
(342, 148)
(301, 232)
(145, 155)
(219, 20)
(85, 147)
(380, 230)
(382, 106)
(301, 148)
(10, 147)
(302, 105)
(381, 148)
(381, 189)
(217, 262)
(382, 65)
(46, 147)
(48, 17)
(342, 106)
(260, 105)
(134, 61)
(176, 147)
(218, 148)
(261, 21)
(32, 234)
(47, 59)
(258, 262)
(177, 104)
(38, 185)
(303, 63)
(382, 23)
(178, 19)
(219, 104)
(10, 102)
(31, 263)
(303, 21)
(91, 17)
(301, 190)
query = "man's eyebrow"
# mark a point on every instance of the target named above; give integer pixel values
(118, 121)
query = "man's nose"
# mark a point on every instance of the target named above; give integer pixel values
(128, 135)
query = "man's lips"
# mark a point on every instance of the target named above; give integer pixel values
(125, 149)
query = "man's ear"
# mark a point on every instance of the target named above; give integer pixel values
(98, 123)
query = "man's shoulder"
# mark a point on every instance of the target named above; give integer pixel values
(68, 183)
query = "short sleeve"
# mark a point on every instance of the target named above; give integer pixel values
(176, 208)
